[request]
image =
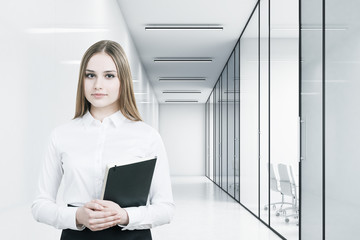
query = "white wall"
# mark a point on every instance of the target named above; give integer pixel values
(39, 79)
(182, 127)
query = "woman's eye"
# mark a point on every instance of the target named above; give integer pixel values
(109, 75)
(90, 75)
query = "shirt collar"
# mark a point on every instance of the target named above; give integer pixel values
(116, 119)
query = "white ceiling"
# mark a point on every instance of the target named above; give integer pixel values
(217, 45)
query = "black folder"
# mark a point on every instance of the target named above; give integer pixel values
(129, 185)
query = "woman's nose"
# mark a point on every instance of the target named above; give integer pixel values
(98, 83)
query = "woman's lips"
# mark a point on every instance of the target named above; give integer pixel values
(99, 95)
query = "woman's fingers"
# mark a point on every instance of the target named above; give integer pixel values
(97, 217)
(113, 207)
(103, 203)
(94, 206)
(101, 214)
(103, 226)
(104, 223)
(97, 221)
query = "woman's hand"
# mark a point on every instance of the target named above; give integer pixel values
(109, 206)
(97, 217)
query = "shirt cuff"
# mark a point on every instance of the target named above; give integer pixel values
(134, 214)
(80, 227)
(70, 218)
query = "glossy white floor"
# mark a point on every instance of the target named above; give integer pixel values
(203, 211)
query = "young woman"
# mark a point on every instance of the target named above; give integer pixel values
(106, 128)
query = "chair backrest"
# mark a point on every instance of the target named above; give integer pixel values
(293, 181)
(292, 175)
(285, 183)
(274, 186)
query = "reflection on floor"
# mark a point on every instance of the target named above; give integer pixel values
(289, 230)
(203, 211)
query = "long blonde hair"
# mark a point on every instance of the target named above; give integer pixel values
(127, 98)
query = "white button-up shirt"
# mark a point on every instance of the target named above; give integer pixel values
(78, 153)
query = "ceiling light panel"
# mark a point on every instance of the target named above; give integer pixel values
(181, 91)
(181, 101)
(182, 79)
(183, 59)
(182, 27)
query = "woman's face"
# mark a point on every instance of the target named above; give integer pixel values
(101, 83)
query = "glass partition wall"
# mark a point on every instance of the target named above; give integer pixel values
(284, 116)
(254, 108)
(311, 121)
(264, 190)
(249, 115)
(330, 119)
(230, 123)
(285, 142)
(341, 118)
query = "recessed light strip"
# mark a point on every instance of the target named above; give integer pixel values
(152, 27)
(182, 79)
(190, 59)
(181, 91)
(181, 101)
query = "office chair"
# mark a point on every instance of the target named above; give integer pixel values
(288, 188)
(274, 186)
